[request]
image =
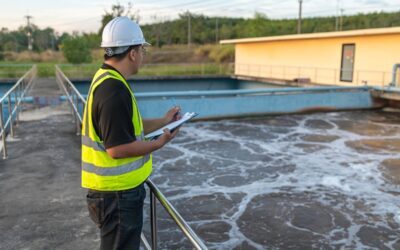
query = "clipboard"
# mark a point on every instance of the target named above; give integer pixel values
(171, 126)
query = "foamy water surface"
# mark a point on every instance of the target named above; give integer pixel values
(327, 181)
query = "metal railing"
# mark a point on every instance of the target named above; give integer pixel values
(75, 98)
(395, 81)
(16, 95)
(319, 75)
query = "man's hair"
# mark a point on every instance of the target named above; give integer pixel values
(121, 56)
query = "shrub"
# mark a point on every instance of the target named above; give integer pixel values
(224, 53)
(76, 50)
(216, 53)
(1, 52)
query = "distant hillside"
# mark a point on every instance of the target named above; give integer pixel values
(205, 30)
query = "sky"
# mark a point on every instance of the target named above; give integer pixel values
(85, 15)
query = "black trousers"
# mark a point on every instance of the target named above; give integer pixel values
(119, 215)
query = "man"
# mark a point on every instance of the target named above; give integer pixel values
(116, 159)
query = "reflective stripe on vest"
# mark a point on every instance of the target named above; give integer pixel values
(98, 146)
(113, 171)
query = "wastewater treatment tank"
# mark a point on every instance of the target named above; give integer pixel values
(300, 181)
(216, 97)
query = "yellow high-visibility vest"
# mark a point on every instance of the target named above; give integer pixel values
(99, 170)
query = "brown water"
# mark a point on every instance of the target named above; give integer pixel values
(326, 181)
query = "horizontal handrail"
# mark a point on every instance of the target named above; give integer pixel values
(186, 229)
(18, 90)
(265, 91)
(317, 75)
(73, 96)
(388, 89)
(70, 84)
(248, 91)
(67, 86)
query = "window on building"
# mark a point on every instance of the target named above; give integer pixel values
(347, 67)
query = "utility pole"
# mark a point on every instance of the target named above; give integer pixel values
(299, 20)
(216, 30)
(337, 16)
(341, 19)
(29, 33)
(189, 30)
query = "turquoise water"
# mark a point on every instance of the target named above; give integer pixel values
(4, 87)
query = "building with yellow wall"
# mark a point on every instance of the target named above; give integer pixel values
(351, 58)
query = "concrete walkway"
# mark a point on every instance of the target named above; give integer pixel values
(42, 204)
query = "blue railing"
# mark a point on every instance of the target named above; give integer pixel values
(10, 103)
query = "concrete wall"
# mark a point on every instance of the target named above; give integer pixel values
(243, 103)
(320, 59)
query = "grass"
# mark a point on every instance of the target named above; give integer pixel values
(166, 61)
(86, 71)
(13, 70)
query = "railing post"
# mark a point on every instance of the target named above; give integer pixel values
(10, 115)
(21, 91)
(153, 220)
(17, 110)
(78, 130)
(71, 100)
(3, 137)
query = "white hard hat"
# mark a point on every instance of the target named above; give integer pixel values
(122, 31)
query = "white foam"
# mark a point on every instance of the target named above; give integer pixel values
(334, 168)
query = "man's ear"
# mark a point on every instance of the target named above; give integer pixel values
(132, 55)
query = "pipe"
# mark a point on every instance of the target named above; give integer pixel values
(394, 73)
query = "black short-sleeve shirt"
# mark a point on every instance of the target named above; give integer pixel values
(112, 112)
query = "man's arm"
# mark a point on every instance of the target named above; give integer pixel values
(139, 148)
(150, 125)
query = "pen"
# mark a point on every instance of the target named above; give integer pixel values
(174, 104)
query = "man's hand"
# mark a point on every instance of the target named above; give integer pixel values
(166, 137)
(172, 115)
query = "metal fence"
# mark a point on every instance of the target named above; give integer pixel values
(14, 95)
(328, 76)
(77, 103)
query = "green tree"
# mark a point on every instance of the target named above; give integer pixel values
(1, 52)
(44, 39)
(118, 10)
(76, 49)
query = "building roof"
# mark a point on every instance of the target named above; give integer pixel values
(363, 32)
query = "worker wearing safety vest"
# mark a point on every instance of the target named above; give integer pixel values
(116, 158)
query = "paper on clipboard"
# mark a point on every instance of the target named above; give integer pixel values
(171, 126)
